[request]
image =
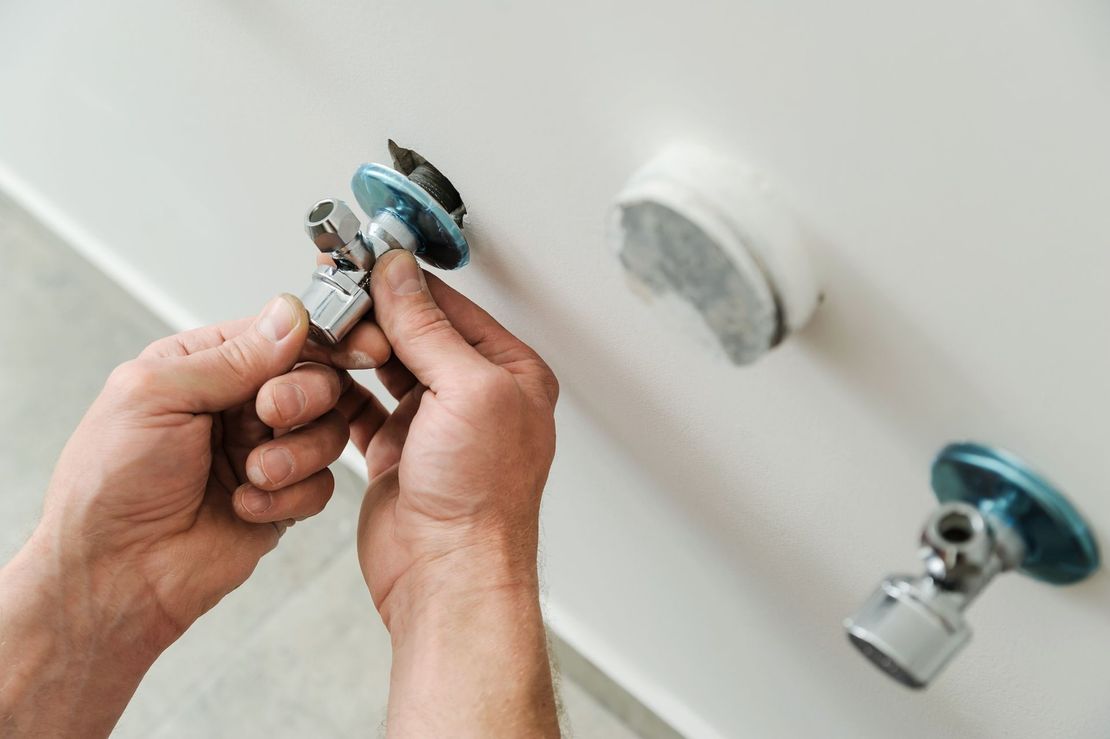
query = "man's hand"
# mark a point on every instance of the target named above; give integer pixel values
(449, 527)
(182, 475)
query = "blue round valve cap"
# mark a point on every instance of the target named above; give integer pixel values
(442, 243)
(1059, 546)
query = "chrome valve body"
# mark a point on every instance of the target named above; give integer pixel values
(405, 212)
(996, 514)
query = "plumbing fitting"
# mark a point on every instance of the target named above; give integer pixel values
(420, 212)
(704, 240)
(996, 514)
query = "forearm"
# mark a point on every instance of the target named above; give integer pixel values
(470, 659)
(72, 646)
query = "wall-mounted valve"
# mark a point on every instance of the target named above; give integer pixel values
(417, 209)
(995, 515)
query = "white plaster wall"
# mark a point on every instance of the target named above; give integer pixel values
(707, 527)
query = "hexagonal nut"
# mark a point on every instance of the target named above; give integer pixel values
(956, 542)
(331, 224)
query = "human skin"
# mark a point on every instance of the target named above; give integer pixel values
(449, 526)
(184, 473)
(164, 499)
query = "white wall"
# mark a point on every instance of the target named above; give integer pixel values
(707, 527)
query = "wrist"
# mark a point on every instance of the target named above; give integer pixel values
(487, 569)
(99, 595)
(90, 611)
(72, 649)
(469, 648)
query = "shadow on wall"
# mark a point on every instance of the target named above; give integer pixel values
(851, 335)
(847, 335)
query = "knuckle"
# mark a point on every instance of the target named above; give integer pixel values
(426, 321)
(159, 347)
(550, 382)
(539, 373)
(133, 379)
(492, 382)
(239, 358)
(541, 369)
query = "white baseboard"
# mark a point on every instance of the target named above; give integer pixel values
(88, 245)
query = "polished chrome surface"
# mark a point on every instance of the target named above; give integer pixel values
(996, 514)
(336, 300)
(335, 229)
(911, 627)
(402, 216)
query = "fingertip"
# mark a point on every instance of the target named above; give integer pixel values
(365, 347)
(398, 272)
(294, 503)
(282, 318)
(269, 467)
(251, 503)
(295, 302)
(288, 402)
(298, 454)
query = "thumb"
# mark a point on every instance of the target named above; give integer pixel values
(420, 333)
(231, 373)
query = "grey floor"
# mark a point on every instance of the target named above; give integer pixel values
(299, 651)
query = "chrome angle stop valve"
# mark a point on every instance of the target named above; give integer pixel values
(416, 209)
(996, 515)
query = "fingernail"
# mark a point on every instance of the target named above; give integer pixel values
(277, 464)
(403, 274)
(271, 468)
(278, 319)
(257, 501)
(289, 400)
